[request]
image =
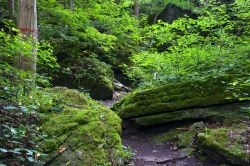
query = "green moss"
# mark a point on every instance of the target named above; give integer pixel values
(175, 116)
(226, 144)
(183, 137)
(227, 113)
(160, 106)
(88, 130)
(180, 138)
(69, 96)
(179, 96)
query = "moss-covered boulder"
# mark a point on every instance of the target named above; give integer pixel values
(81, 132)
(227, 144)
(182, 137)
(180, 101)
(212, 113)
(89, 74)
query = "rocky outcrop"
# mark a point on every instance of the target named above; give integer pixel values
(91, 75)
(180, 101)
(212, 113)
(82, 132)
(173, 12)
(228, 144)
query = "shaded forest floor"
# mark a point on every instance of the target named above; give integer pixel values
(146, 152)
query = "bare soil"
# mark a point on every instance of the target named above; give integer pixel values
(148, 153)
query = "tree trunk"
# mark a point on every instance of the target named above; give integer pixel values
(65, 4)
(1, 15)
(156, 17)
(11, 7)
(72, 5)
(137, 8)
(206, 2)
(118, 2)
(27, 23)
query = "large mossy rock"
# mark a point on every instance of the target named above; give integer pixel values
(179, 101)
(227, 144)
(89, 74)
(82, 132)
(213, 113)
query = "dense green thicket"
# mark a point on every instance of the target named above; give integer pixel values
(14, 82)
(103, 29)
(107, 31)
(215, 43)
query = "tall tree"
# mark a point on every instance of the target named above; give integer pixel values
(65, 3)
(1, 14)
(27, 23)
(137, 8)
(72, 3)
(11, 7)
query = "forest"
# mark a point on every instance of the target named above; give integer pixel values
(124, 82)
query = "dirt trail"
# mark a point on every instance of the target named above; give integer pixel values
(148, 153)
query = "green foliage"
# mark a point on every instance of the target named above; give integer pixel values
(18, 134)
(18, 124)
(237, 86)
(213, 44)
(40, 101)
(101, 28)
(14, 82)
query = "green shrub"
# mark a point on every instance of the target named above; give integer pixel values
(213, 44)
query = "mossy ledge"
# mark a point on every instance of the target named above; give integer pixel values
(230, 144)
(214, 113)
(83, 133)
(182, 97)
